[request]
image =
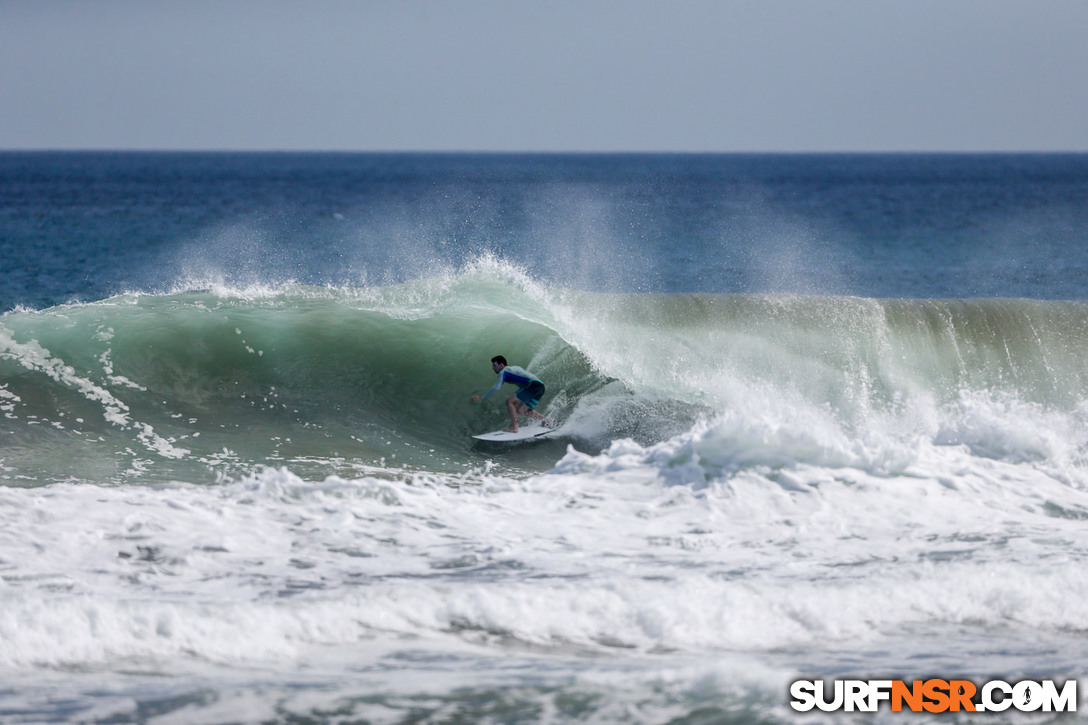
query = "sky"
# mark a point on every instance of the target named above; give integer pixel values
(545, 75)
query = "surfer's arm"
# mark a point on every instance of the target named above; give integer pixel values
(495, 387)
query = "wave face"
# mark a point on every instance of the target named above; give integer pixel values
(170, 385)
(200, 383)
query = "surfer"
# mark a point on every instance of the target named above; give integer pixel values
(530, 391)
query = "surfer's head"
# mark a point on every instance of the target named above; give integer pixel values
(498, 363)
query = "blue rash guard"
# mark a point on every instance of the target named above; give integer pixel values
(530, 389)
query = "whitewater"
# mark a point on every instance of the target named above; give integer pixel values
(235, 499)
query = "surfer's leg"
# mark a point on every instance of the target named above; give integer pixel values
(511, 405)
(529, 397)
(526, 410)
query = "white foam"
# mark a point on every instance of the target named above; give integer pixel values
(32, 356)
(609, 554)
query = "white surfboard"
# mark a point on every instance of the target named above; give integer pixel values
(525, 432)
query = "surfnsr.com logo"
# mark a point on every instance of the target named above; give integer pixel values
(934, 695)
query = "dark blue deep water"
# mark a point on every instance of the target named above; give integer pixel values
(83, 226)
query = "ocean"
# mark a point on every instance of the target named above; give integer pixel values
(820, 417)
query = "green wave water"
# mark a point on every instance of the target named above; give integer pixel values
(206, 384)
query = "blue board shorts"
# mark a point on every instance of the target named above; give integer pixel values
(531, 394)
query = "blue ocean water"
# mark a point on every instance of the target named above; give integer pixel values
(820, 416)
(86, 226)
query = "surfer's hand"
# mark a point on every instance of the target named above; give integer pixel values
(476, 398)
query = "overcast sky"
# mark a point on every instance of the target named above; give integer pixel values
(550, 75)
